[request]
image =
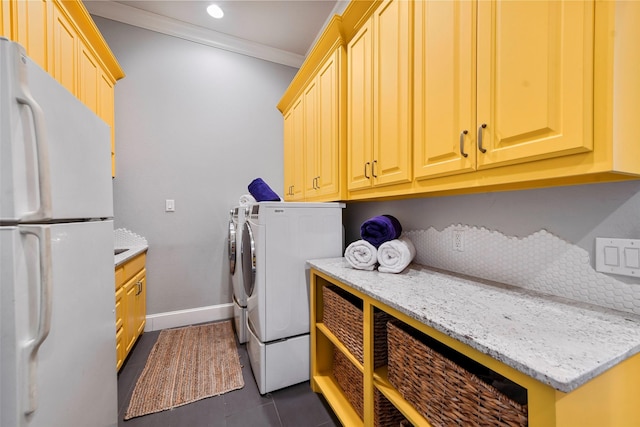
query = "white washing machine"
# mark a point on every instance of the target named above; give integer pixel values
(236, 224)
(278, 238)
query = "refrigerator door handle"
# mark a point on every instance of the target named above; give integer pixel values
(23, 96)
(31, 346)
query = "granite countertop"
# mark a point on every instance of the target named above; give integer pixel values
(556, 341)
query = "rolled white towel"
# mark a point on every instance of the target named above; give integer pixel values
(247, 199)
(361, 255)
(395, 255)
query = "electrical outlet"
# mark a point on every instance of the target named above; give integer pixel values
(618, 256)
(458, 240)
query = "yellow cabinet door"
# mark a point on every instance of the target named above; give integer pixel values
(293, 151)
(88, 79)
(379, 89)
(106, 111)
(29, 31)
(135, 309)
(444, 88)
(359, 109)
(535, 80)
(120, 345)
(391, 94)
(130, 315)
(310, 140)
(322, 132)
(64, 50)
(5, 19)
(289, 155)
(328, 163)
(141, 302)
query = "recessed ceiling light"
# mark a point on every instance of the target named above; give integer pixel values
(215, 11)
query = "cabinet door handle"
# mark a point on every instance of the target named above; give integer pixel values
(482, 150)
(462, 134)
(373, 168)
(366, 175)
(317, 182)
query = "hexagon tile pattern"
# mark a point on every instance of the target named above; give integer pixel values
(126, 238)
(541, 262)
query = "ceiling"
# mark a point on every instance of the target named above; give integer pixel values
(290, 26)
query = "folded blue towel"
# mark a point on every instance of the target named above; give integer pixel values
(262, 192)
(380, 229)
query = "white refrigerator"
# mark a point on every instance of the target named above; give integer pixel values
(57, 290)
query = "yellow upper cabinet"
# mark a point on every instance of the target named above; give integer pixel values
(517, 95)
(63, 62)
(311, 139)
(525, 94)
(379, 98)
(444, 88)
(25, 25)
(451, 97)
(534, 80)
(315, 123)
(324, 135)
(61, 37)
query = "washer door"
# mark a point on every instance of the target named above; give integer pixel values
(231, 244)
(248, 254)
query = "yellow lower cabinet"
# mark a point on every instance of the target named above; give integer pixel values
(609, 399)
(131, 293)
(141, 302)
(130, 314)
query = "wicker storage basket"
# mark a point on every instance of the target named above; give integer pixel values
(350, 380)
(442, 390)
(344, 318)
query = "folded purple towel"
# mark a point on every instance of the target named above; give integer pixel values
(262, 192)
(380, 229)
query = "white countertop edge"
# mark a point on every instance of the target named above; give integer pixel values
(130, 253)
(563, 378)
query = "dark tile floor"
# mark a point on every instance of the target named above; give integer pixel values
(295, 406)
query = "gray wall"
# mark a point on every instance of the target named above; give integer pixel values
(577, 214)
(185, 113)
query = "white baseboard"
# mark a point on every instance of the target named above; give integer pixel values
(176, 319)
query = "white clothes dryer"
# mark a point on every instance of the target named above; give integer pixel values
(278, 238)
(236, 224)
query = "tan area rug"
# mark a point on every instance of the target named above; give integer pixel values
(186, 365)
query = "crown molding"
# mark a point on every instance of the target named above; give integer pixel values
(172, 27)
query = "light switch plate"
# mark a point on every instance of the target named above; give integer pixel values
(169, 205)
(618, 256)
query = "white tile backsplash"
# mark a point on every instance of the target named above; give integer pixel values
(124, 238)
(540, 262)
